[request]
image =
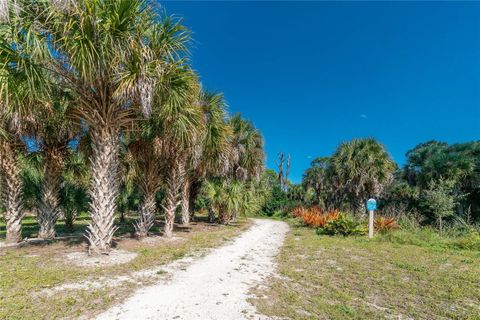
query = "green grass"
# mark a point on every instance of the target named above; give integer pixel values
(25, 272)
(30, 227)
(431, 238)
(325, 277)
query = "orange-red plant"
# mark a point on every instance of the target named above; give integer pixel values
(314, 217)
(297, 212)
(382, 224)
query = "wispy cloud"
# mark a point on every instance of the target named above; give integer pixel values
(363, 116)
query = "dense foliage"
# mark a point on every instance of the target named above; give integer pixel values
(100, 112)
(439, 182)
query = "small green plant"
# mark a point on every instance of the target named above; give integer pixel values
(439, 200)
(344, 225)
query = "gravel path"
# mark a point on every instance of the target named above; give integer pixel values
(213, 287)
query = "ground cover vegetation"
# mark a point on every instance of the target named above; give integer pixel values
(400, 274)
(422, 262)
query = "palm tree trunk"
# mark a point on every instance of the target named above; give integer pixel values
(195, 188)
(11, 192)
(70, 216)
(49, 206)
(224, 217)
(211, 216)
(104, 189)
(186, 202)
(174, 182)
(147, 215)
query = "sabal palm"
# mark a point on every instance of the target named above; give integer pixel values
(225, 198)
(214, 148)
(109, 53)
(177, 121)
(247, 156)
(18, 78)
(11, 188)
(74, 185)
(145, 171)
(317, 178)
(230, 198)
(362, 168)
(53, 131)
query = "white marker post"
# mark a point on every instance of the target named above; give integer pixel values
(371, 207)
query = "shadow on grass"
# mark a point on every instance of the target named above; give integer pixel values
(76, 235)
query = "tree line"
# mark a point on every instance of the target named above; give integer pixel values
(101, 111)
(438, 183)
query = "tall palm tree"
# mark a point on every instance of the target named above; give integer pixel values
(145, 169)
(243, 167)
(213, 150)
(18, 79)
(247, 155)
(53, 132)
(362, 168)
(109, 53)
(11, 188)
(317, 178)
(177, 120)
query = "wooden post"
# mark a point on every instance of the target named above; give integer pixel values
(370, 224)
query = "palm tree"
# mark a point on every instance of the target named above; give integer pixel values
(53, 132)
(11, 187)
(145, 169)
(213, 150)
(177, 120)
(362, 168)
(230, 198)
(18, 78)
(317, 178)
(74, 185)
(247, 155)
(110, 54)
(236, 193)
(225, 198)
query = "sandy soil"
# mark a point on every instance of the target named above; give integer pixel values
(213, 287)
(114, 257)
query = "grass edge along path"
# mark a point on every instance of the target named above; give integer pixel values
(26, 272)
(325, 277)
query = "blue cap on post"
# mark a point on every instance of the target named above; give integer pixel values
(371, 204)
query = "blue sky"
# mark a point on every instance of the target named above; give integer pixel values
(313, 74)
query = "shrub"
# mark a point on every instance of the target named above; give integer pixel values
(314, 217)
(298, 212)
(344, 225)
(383, 224)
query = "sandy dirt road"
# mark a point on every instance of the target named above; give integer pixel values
(215, 286)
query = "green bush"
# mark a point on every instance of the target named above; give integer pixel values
(344, 225)
(278, 201)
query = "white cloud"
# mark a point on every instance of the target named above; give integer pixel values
(363, 116)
